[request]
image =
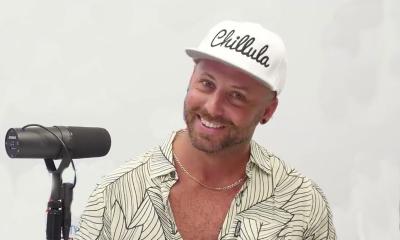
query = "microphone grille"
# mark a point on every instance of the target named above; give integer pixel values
(89, 142)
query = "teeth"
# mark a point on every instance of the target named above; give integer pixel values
(210, 124)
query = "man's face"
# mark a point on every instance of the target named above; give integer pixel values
(223, 106)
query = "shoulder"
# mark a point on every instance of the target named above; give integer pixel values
(285, 173)
(275, 166)
(301, 196)
(290, 185)
(134, 168)
(141, 172)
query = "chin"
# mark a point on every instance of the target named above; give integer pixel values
(207, 148)
(203, 144)
(208, 145)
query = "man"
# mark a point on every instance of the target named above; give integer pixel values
(211, 180)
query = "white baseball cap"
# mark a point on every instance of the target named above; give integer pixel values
(247, 46)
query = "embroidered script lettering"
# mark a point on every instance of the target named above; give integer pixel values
(242, 45)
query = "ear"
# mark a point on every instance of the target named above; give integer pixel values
(269, 111)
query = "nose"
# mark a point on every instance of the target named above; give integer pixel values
(215, 104)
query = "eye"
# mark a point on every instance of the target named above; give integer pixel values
(238, 99)
(238, 96)
(207, 84)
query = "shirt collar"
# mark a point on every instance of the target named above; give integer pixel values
(161, 162)
(260, 157)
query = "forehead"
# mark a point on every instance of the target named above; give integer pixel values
(226, 74)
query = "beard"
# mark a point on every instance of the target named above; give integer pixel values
(232, 135)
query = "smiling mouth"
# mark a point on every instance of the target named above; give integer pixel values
(211, 124)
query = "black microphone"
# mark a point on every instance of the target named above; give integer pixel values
(37, 142)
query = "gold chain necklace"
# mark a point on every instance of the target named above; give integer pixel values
(225, 188)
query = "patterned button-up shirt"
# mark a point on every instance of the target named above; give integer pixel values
(275, 202)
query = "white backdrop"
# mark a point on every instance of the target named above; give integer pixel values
(121, 65)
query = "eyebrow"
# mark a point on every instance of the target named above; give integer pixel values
(245, 89)
(240, 88)
(209, 75)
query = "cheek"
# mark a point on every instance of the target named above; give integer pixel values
(193, 100)
(244, 118)
(237, 117)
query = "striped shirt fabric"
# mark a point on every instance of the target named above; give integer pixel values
(275, 202)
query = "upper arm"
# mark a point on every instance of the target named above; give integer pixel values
(320, 222)
(94, 219)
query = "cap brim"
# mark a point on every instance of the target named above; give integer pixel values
(197, 55)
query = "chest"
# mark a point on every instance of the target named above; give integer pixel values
(199, 213)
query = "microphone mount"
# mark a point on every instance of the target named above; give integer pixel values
(59, 205)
